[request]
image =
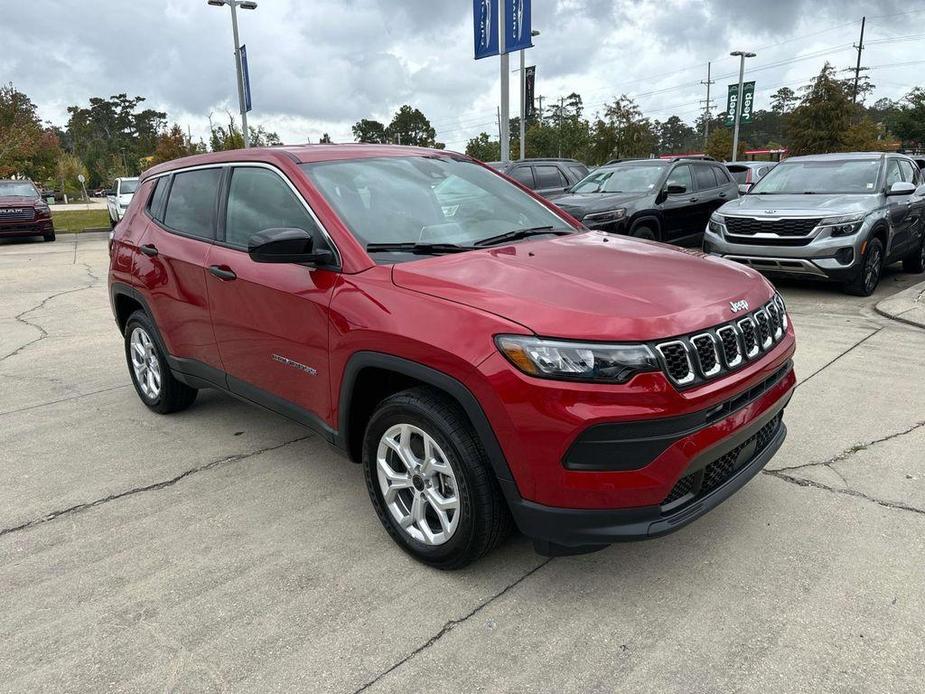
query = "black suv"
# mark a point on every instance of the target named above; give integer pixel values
(548, 177)
(661, 199)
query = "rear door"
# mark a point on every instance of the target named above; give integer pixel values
(271, 319)
(523, 174)
(710, 194)
(171, 267)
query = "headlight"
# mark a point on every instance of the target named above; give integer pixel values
(42, 208)
(576, 361)
(717, 224)
(599, 218)
(844, 225)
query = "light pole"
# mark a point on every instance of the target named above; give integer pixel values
(523, 100)
(244, 5)
(735, 133)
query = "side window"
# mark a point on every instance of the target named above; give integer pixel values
(259, 199)
(722, 175)
(523, 174)
(893, 173)
(191, 204)
(549, 177)
(705, 178)
(578, 172)
(908, 171)
(681, 176)
(156, 201)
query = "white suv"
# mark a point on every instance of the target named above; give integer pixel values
(119, 197)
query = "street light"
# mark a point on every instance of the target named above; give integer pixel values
(523, 100)
(735, 133)
(244, 5)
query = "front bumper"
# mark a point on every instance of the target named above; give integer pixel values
(712, 477)
(38, 227)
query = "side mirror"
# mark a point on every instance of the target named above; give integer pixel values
(288, 246)
(901, 188)
(675, 190)
(920, 191)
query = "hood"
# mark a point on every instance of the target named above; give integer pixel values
(591, 286)
(801, 205)
(17, 201)
(580, 204)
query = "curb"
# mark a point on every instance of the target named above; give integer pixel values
(82, 231)
(908, 306)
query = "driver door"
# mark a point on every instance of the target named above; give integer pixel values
(271, 320)
(900, 207)
(679, 212)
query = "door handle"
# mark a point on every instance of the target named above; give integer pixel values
(149, 249)
(693, 199)
(722, 195)
(224, 273)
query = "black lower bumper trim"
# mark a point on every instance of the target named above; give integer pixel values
(579, 530)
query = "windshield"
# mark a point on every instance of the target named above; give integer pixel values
(835, 176)
(426, 200)
(621, 179)
(21, 189)
(128, 186)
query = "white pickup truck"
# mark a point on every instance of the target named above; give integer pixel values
(119, 197)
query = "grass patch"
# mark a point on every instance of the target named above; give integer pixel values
(80, 220)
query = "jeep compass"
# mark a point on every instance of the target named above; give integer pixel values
(490, 362)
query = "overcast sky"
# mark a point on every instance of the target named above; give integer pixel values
(320, 65)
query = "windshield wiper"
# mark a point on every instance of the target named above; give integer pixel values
(417, 248)
(518, 234)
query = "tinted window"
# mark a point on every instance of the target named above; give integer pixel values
(549, 177)
(722, 176)
(191, 205)
(681, 176)
(522, 174)
(579, 172)
(156, 202)
(908, 171)
(259, 199)
(705, 177)
(739, 174)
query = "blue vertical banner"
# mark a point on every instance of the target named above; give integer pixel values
(518, 25)
(245, 77)
(485, 22)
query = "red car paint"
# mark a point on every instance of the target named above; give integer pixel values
(444, 312)
(22, 216)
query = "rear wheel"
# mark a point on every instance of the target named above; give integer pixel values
(430, 482)
(868, 277)
(915, 261)
(49, 237)
(148, 367)
(644, 232)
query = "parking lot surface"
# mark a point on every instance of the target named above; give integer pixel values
(227, 549)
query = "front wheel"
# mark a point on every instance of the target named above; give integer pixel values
(868, 277)
(430, 482)
(644, 232)
(147, 365)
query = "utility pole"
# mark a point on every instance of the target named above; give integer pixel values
(234, 5)
(857, 70)
(707, 105)
(561, 114)
(735, 133)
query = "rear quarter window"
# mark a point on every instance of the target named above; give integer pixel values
(191, 204)
(155, 205)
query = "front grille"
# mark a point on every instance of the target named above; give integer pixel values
(748, 226)
(712, 353)
(700, 483)
(769, 241)
(17, 214)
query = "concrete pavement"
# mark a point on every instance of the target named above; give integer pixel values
(226, 549)
(907, 306)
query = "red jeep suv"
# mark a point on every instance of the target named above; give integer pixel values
(489, 361)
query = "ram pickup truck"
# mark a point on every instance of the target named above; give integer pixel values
(23, 212)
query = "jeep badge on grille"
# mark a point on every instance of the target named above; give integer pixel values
(740, 305)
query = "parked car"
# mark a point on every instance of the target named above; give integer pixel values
(548, 177)
(657, 199)
(487, 360)
(748, 173)
(119, 197)
(838, 217)
(23, 212)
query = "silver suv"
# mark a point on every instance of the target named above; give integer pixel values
(840, 217)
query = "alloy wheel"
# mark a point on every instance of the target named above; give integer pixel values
(872, 268)
(418, 484)
(145, 363)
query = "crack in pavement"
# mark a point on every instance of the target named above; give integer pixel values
(799, 481)
(72, 397)
(450, 625)
(852, 450)
(146, 488)
(42, 332)
(847, 351)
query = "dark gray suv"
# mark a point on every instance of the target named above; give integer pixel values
(548, 177)
(838, 217)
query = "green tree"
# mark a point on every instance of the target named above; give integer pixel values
(231, 137)
(410, 127)
(866, 136)
(719, 146)
(173, 144)
(325, 139)
(621, 132)
(674, 136)
(907, 120)
(366, 130)
(67, 168)
(483, 148)
(783, 100)
(820, 123)
(26, 147)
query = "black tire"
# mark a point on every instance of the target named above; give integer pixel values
(869, 272)
(915, 261)
(643, 231)
(484, 520)
(112, 222)
(172, 395)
